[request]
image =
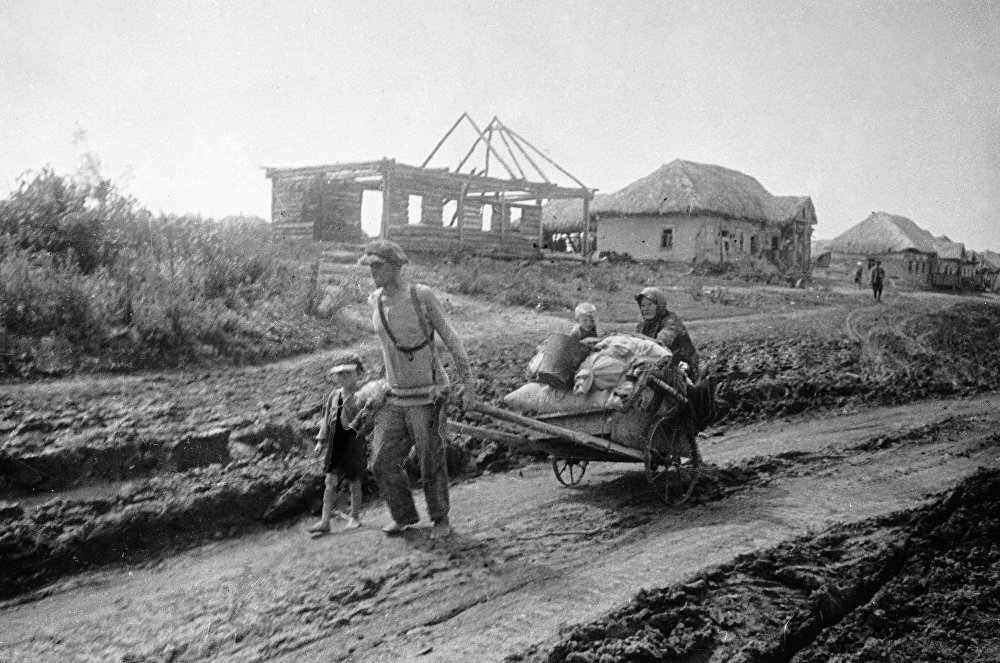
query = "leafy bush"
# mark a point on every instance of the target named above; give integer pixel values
(90, 279)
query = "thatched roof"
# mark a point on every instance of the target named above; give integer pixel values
(949, 250)
(566, 215)
(884, 233)
(782, 209)
(686, 187)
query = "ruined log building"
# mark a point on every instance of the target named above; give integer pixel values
(451, 207)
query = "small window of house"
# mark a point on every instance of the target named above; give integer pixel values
(774, 243)
(753, 244)
(667, 239)
(909, 266)
(741, 242)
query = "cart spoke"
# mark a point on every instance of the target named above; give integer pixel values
(569, 471)
(671, 462)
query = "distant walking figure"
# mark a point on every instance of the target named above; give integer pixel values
(857, 274)
(878, 278)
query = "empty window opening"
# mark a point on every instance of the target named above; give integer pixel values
(415, 209)
(515, 217)
(487, 218)
(448, 214)
(667, 239)
(371, 212)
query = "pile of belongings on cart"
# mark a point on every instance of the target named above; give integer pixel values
(568, 376)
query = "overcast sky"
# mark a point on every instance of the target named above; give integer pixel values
(863, 106)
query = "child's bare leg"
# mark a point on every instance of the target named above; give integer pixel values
(329, 497)
(354, 519)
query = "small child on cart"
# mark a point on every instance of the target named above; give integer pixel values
(586, 322)
(346, 454)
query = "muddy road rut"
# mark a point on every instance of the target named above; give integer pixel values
(529, 561)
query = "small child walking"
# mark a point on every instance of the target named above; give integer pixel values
(345, 458)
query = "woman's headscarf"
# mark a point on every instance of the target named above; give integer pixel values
(652, 327)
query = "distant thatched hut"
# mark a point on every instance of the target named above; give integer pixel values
(693, 212)
(906, 250)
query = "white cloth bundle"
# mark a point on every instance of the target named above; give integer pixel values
(615, 355)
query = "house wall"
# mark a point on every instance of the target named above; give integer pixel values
(909, 268)
(428, 239)
(796, 247)
(947, 274)
(287, 197)
(311, 206)
(696, 238)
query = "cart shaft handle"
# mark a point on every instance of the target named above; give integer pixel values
(591, 441)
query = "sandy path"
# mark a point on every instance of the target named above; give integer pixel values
(510, 578)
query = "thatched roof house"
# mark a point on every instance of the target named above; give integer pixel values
(884, 233)
(686, 187)
(948, 250)
(694, 212)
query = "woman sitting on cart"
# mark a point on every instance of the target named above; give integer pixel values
(659, 323)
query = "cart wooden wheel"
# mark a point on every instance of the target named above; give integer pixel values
(672, 461)
(568, 471)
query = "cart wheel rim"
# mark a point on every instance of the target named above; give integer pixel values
(671, 462)
(568, 471)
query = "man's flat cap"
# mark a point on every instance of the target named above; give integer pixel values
(382, 250)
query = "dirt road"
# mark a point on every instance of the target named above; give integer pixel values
(530, 558)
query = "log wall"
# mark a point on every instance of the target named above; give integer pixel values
(311, 206)
(339, 214)
(472, 216)
(287, 197)
(531, 220)
(427, 239)
(431, 210)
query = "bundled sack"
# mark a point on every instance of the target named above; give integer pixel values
(546, 399)
(615, 356)
(633, 348)
(599, 371)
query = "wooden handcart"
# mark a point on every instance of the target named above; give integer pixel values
(654, 426)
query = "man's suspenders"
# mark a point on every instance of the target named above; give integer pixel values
(421, 318)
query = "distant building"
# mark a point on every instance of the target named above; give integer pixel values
(955, 267)
(693, 212)
(906, 250)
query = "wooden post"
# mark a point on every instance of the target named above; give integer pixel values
(460, 211)
(585, 241)
(541, 225)
(386, 197)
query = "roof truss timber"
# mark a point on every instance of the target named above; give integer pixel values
(500, 141)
